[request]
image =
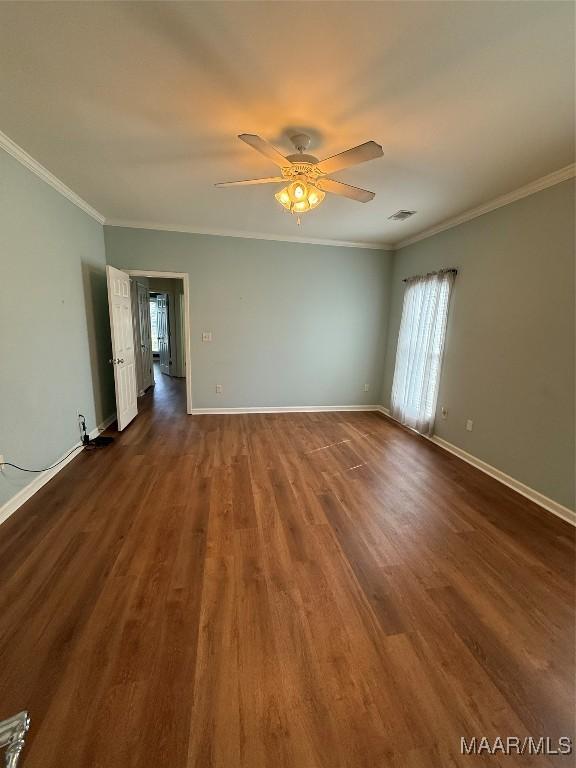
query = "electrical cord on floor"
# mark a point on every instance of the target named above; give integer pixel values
(24, 469)
(96, 442)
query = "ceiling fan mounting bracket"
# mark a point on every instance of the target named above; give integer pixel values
(301, 141)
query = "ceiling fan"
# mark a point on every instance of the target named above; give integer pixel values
(307, 177)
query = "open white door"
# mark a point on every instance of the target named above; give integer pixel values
(120, 308)
(163, 332)
(145, 335)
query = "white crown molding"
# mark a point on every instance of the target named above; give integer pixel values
(28, 161)
(284, 409)
(20, 498)
(567, 514)
(246, 235)
(498, 202)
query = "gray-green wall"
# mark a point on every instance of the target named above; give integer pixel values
(509, 354)
(296, 325)
(292, 324)
(54, 344)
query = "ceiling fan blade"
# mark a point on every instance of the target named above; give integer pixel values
(338, 188)
(265, 148)
(245, 182)
(360, 154)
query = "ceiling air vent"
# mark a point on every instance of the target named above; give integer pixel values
(401, 215)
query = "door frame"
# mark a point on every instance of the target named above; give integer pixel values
(185, 277)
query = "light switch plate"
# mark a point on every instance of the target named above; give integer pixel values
(469, 425)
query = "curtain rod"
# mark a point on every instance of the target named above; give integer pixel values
(429, 274)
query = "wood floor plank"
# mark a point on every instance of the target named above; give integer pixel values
(302, 590)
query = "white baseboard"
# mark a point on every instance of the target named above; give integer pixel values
(284, 409)
(34, 486)
(22, 496)
(548, 504)
(101, 427)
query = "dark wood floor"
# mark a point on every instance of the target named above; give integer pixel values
(291, 590)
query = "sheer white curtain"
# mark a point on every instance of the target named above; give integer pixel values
(419, 352)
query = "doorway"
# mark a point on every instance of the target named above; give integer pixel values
(166, 316)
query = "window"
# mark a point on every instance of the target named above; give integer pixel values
(419, 352)
(154, 325)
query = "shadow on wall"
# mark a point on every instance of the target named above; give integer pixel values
(99, 341)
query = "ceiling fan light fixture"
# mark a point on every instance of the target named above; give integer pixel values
(298, 191)
(283, 197)
(315, 197)
(300, 197)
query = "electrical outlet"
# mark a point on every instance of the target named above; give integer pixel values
(469, 425)
(444, 412)
(366, 387)
(218, 389)
(207, 336)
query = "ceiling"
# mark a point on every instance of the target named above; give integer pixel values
(136, 105)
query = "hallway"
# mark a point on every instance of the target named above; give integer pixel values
(167, 396)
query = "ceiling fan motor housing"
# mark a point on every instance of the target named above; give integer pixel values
(300, 168)
(300, 157)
